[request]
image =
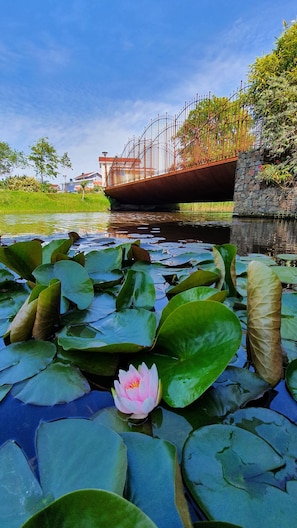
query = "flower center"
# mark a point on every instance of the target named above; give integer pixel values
(133, 384)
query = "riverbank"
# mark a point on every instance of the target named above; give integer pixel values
(13, 202)
(207, 207)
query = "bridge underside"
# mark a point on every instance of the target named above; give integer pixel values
(213, 182)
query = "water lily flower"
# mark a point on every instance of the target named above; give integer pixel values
(138, 391)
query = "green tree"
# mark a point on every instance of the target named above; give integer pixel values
(273, 94)
(83, 185)
(10, 159)
(46, 161)
(216, 128)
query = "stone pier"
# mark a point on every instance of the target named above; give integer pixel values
(253, 198)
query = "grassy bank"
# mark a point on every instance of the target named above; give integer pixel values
(208, 207)
(12, 202)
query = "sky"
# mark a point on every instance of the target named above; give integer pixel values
(91, 74)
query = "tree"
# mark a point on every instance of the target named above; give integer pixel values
(45, 159)
(273, 94)
(216, 128)
(83, 185)
(9, 159)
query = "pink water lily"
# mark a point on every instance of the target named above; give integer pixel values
(138, 391)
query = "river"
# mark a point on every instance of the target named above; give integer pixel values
(250, 235)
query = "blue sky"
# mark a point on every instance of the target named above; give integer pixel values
(90, 74)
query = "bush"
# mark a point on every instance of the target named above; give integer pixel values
(272, 174)
(22, 183)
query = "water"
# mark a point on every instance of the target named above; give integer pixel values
(250, 235)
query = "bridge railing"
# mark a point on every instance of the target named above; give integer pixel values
(206, 130)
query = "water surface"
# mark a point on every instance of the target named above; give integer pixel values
(250, 235)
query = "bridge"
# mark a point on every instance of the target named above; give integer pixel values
(189, 157)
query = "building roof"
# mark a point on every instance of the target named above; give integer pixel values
(85, 176)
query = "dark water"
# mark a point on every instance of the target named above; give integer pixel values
(250, 235)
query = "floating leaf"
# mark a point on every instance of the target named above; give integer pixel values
(197, 278)
(20, 329)
(22, 257)
(102, 305)
(58, 383)
(160, 466)
(277, 430)
(291, 378)
(264, 320)
(125, 331)
(193, 347)
(23, 360)
(20, 493)
(53, 248)
(99, 364)
(104, 260)
(225, 259)
(48, 311)
(193, 294)
(231, 474)
(76, 284)
(287, 275)
(73, 441)
(90, 508)
(138, 291)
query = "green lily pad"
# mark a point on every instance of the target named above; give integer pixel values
(138, 291)
(193, 347)
(230, 473)
(275, 429)
(193, 294)
(287, 275)
(86, 455)
(197, 278)
(22, 257)
(23, 360)
(54, 247)
(20, 493)
(102, 305)
(58, 383)
(160, 466)
(76, 285)
(291, 378)
(126, 331)
(225, 261)
(92, 509)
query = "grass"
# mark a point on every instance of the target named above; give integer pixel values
(12, 202)
(208, 207)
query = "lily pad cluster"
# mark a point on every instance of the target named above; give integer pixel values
(221, 330)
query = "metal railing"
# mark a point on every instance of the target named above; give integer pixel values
(206, 130)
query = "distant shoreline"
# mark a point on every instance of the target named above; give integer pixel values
(14, 202)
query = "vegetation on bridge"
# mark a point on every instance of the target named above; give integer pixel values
(217, 128)
(273, 96)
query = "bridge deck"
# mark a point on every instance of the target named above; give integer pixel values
(212, 182)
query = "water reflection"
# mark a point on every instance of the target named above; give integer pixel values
(249, 235)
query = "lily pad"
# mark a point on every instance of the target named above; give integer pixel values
(138, 291)
(90, 508)
(58, 383)
(193, 347)
(230, 472)
(197, 278)
(75, 440)
(23, 360)
(125, 331)
(161, 466)
(291, 378)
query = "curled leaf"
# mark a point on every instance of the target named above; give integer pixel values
(264, 294)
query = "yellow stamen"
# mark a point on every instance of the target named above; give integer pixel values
(133, 384)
